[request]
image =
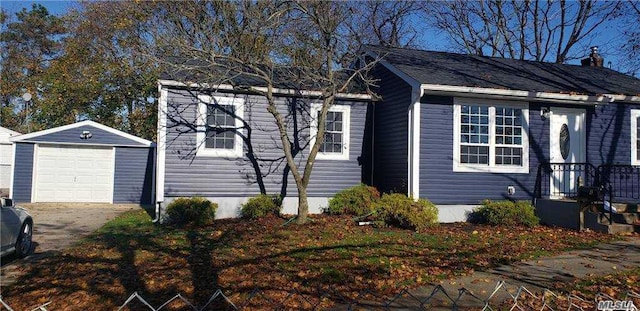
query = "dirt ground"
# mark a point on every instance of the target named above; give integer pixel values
(57, 226)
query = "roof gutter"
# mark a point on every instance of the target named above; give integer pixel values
(292, 92)
(438, 89)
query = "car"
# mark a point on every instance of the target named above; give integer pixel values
(16, 229)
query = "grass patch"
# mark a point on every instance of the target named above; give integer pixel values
(131, 254)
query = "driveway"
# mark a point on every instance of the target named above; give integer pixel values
(57, 226)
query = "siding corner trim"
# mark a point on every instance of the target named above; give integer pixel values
(414, 143)
(161, 147)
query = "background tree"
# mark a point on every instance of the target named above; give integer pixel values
(530, 29)
(28, 45)
(631, 34)
(81, 66)
(99, 76)
(386, 23)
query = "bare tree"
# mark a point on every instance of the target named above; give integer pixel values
(257, 47)
(531, 29)
(383, 22)
(631, 34)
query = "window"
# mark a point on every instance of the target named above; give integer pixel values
(336, 137)
(219, 120)
(474, 134)
(635, 137)
(490, 137)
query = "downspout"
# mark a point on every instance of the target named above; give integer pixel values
(153, 185)
(157, 212)
(160, 150)
(373, 141)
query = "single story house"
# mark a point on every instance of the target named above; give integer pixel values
(455, 129)
(83, 162)
(6, 159)
(458, 129)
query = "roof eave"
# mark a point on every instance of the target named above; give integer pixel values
(290, 92)
(413, 82)
(532, 96)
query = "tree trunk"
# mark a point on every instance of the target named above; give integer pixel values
(303, 205)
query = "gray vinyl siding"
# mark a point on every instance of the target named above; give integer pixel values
(441, 185)
(100, 137)
(188, 175)
(391, 133)
(133, 176)
(23, 173)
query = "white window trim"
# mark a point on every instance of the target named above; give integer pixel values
(635, 114)
(203, 102)
(491, 168)
(346, 126)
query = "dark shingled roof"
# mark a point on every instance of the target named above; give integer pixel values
(199, 71)
(428, 67)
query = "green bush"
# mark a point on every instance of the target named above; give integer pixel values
(358, 200)
(196, 210)
(507, 213)
(260, 206)
(399, 210)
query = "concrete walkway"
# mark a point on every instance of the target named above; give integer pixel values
(534, 275)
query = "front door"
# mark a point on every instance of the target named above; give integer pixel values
(567, 146)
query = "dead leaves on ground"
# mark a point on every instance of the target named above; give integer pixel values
(329, 255)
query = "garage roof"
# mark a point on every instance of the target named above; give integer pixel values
(6, 133)
(84, 133)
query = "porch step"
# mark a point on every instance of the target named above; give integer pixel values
(615, 228)
(620, 218)
(622, 222)
(626, 207)
(568, 214)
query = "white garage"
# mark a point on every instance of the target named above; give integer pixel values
(83, 162)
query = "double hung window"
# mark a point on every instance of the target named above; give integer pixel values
(336, 134)
(219, 124)
(490, 136)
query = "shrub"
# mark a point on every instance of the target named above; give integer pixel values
(357, 200)
(196, 210)
(260, 206)
(399, 210)
(507, 213)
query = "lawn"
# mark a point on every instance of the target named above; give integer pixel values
(618, 286)
(319, 262)
(582, 294)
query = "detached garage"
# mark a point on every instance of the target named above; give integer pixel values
(83, 162)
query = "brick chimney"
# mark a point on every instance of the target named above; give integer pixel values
(594, 59)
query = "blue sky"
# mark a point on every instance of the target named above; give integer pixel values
(429, 40)
(54, 7)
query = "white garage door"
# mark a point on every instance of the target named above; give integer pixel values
(73, 174)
